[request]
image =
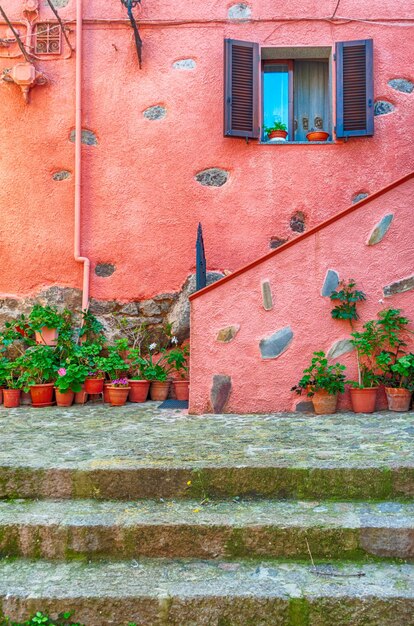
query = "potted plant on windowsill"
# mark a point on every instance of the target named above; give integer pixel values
(317, 135)
(322, 383)
(118, 391)
(178, 361)
(69, 381)
(278, 131)
(45, 321)
(38, 373)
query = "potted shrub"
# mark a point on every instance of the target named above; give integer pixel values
(156, 371)
(12, 390)
(38, 372)
(178, 360)
(399, 381)
(118, 391)
(277, 131)
(322, 383)
(68, 382)
(45, 322)
(317, 135)
(89, 355)
(114, 366)
(4, 370)
(137, 381)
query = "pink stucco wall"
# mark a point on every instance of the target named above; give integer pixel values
(296, 275)
(141, 203)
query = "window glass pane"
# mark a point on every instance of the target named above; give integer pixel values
(275, 94)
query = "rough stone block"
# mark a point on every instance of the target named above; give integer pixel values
(297, 222)
(156, 112)
(88, 137)
(273, 346)
(61, 175)
(340, 347)
(405, 284)
(104, 269)
(380, 230)
(212, 177)
(220, 392)
(305, 407)
(267, 295)
(330, 283)
(401, 84)
(227, 334)
(184, 64)
(359, 196)
(149, 308)
(239, 11)
(382, 107)
(276, 242)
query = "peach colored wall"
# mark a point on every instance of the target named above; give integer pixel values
(296, 275)
(141, 203)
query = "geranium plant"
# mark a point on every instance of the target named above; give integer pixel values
(38, 366)
(177, 359)
(44, 316)
(149, 367)
(320, 376)
(71, 377)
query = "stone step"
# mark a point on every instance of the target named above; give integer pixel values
(288, 529)
(213, 593)
(139, 451)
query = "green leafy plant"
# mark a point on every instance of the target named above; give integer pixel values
(38, 365)
(92, 329)
(13, 375)
(178, 360)
(347, 299)
(277, 125)
(114, 365)
(71, 378)
(42, 619)
(90, 355)
(321, 376)
(44, 316)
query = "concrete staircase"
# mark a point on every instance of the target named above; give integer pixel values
(150, 517)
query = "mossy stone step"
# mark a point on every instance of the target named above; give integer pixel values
(119, 530)
(139, 451)
(192, 593)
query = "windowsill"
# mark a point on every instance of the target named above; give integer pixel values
(296, 143)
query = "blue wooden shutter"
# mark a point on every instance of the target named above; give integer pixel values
(241, 92)
(354, 88)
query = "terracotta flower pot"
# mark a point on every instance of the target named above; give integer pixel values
(106, 391)
(139, 390)
(159, 390)
(64, 398)
(25, 398)
(11, 398)
(81, 396)
(1, 395)
(398, 399)
(363, 400)
(278, 134)
(94, 385)
(181, 388)
(324, 403)
(317, 135)
(42, 395)
(118, 395)
(47, 336)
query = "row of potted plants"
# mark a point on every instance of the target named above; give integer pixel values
(380, 355)
(48, 356)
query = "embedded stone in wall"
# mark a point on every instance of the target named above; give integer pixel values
(220, 392)
(103, 270)
(276, 242)
(184, 64)
(359, 196)
(179, 315)
(340, 347)
(156, 112)
(297, 222)
(239, 11)
(61, 175)
(304, 407)
(330, 283)
(380, 230)
(382, 107)
(267, 295)
(88, 138)
(405, 284)
(227, 334)
(212, 177)
(58, 4)
(273, 346)
(401, 84)
(150, 308)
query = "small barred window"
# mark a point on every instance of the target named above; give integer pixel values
(48, 39)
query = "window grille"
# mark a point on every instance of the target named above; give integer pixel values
(48, 39)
